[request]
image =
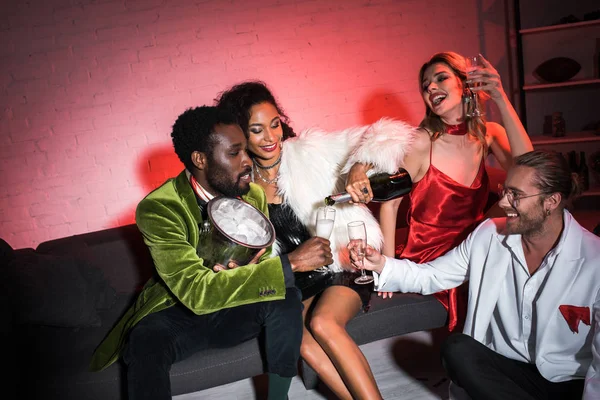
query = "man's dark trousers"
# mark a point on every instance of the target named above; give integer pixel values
(487, 375)
(165, 337)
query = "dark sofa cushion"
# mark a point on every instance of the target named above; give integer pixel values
(56, 291)
(120, 253)
(6, 252)
(53, 362)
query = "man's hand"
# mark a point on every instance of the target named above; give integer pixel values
(232, 264)
(312, 254)
(373, 260)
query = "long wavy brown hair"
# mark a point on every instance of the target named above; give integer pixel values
(432, 122)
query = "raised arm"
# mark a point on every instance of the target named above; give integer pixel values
(511, 140)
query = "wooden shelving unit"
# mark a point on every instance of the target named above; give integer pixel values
(578, 82)
(587, 142)
(592, 191)
(540, 39)
(559, 27)
(570, 137)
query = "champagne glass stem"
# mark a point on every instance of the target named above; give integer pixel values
(362, 266)
(475, 110)
(357, 235)
(473, 64)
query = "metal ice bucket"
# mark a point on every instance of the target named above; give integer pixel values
(235, 231)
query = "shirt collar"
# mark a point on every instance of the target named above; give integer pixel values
(201, 193)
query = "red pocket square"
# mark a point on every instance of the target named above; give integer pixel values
(574, 314)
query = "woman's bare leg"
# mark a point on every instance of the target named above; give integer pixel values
(336, 306)
(316, 357)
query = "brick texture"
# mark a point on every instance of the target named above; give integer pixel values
(89, 89)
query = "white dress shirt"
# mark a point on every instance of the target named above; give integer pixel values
(493, 263)
(512, 326)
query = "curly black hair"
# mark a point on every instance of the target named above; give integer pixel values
(240, 98)
(194, 131)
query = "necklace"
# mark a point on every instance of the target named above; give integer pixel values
(269, 166)
(457, 130)
(262, 178)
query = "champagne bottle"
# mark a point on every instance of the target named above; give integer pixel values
(384, 186)
(584, 173)
(597, 59)
(572, 157)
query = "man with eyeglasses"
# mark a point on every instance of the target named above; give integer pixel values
(533, 321)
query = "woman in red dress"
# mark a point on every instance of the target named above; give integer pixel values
(447, 166)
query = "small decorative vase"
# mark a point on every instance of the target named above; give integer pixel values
(558, 124)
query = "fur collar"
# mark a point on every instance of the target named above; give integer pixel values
(314, 165)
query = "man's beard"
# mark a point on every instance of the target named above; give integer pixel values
(220, 179)
(530, 225)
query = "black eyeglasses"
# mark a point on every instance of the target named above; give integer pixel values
(512, 198)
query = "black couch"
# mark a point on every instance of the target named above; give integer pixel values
(64, 297)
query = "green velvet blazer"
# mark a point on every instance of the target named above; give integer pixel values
(169, 219)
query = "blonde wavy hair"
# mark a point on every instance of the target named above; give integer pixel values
(432, 122)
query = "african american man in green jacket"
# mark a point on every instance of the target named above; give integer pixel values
(187, 306)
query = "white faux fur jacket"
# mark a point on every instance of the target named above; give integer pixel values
(315, 163)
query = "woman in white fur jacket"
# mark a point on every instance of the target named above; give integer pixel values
(297, 173)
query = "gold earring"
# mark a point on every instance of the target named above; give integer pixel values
(547, 212)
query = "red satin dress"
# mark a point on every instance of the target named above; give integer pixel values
(442, 214)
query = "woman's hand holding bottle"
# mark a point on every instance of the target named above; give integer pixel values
(358, 185)
(379, 187)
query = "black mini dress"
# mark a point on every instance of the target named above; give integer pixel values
(290, 232)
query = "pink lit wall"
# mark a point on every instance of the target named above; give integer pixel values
(90, 88)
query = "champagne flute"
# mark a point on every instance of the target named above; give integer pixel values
(325, 222)
(473, 64)
(357, 233)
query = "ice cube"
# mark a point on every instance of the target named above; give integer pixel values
(240, 238)
(228, 226)
(254, 239)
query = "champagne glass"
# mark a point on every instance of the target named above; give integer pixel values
(357, 233)
(473, 64)
(325, 222)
